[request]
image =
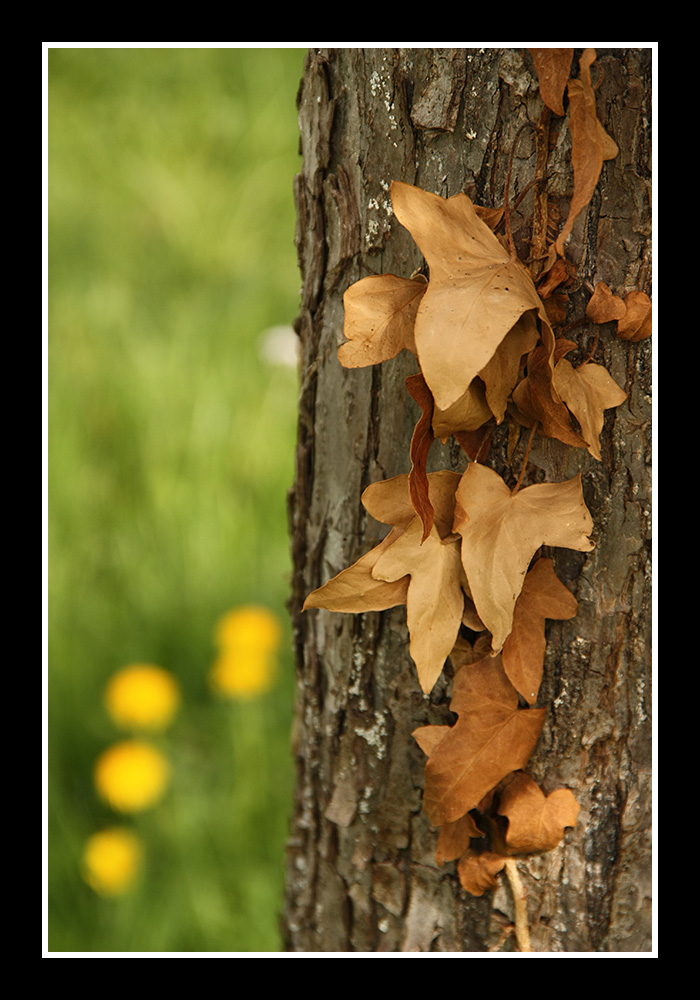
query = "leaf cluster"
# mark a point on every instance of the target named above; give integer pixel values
(463, 552)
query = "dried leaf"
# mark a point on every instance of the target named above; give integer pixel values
(477, 872)
(380, 313)
(636, 323)
(389, 500)
(435, 599)
(503, 370)
(590, 144)
(475, 295)
(501, 532)
(543, 596)
(538, 400)
(454, 838)
(535, 823)
(467, 414)
(603, 306)
(491, 738)
(588, 391)
(355, 590)
(421, 441)
(552, 66)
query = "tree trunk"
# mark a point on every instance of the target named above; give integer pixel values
(362, 875)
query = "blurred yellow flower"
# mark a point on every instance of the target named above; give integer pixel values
(250, 627)
(248, 639)
(142, 696)
(131, 775)
(111, 861)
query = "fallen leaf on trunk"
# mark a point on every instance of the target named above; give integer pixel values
(380, 313)
(552, 67)
(588, 391)
(501, 532)
(477, 872)
(536, 822)
(590, 144)
(475, 295)
(491, 738)
(543, 596)
(435, 598)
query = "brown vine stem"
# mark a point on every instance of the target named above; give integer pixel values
(527, 455)
(522, 930)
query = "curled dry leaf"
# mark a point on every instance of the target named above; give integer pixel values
(477, 872)
(475, 295)
(603, 306)
(501, 531)
(590, 144)
(636, 323)
(535, 822)
(588, 391)
(491, 738)
(380, 313)
(552, 67)
(538, 401)
(543, 596)
(421, 441)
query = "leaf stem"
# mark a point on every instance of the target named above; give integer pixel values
(527, 455)
(522, 930)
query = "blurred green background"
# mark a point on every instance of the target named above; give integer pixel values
(171, 432)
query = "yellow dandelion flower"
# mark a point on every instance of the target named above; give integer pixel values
(131, 775)
(142, 696)
(250, 627)
(242, 675)
(111, 861)
(248, 639)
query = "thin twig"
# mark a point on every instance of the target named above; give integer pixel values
(522, 930)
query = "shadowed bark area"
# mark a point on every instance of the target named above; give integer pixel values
(362, 875)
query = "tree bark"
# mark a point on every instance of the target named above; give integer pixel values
(362, 875)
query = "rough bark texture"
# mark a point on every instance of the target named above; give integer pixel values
(362, 875)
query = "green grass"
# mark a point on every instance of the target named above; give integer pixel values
(171, 442)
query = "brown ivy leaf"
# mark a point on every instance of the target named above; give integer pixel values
(603, 306)
(491, 738)
(355, 590)
(454, 839)
(636, 323)
(502, 371)
(475, 295)
(380, 313)
(552, 67)
(477, 872)
(590, 144)
(537, 399)
(588, 391)
(389, 500)
(535, 823)
(421, 441)
(501, 532)
(543, 596)
(467, 414)
(435, 598)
